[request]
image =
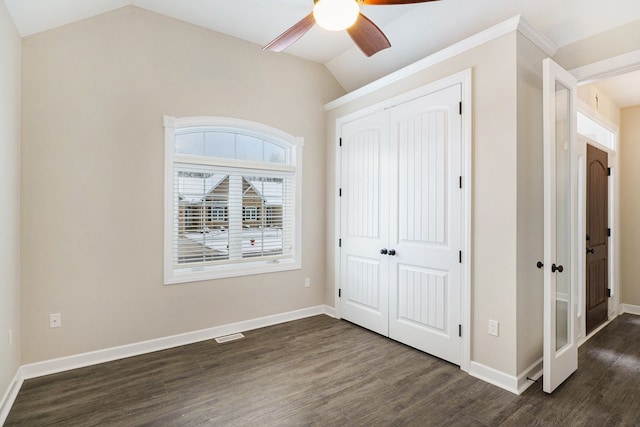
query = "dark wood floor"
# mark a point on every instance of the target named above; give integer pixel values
(322, 371)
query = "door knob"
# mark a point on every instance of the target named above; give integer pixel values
(392, 252)
(384, 251)
(591, 251)
(539, 264)
(557, 268)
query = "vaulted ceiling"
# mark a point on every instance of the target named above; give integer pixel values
(415, 31)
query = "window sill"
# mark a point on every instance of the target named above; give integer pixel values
(228, 271)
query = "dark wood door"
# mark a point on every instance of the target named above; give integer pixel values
(597, 237)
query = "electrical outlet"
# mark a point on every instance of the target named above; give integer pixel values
(307, 282)
(493, 328)
(55, 320)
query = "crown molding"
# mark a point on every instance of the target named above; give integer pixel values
(537, 37)
(609, 67)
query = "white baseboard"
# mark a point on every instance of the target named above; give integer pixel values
(629, 308)
(53, 366)
(493, 376)
(516, 385)
(530, 375)
(10, 396)
(330, 311)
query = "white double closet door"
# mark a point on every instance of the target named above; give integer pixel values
(400, 223)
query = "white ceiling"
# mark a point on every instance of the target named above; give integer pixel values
(415, 31)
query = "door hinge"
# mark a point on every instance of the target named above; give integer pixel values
(459, 330)
(460, 182)
(340, 142)
(339, 293)
(608, 232)
(339, 243)
(460, 257)
(609, 292)
(608, 171)
(460, 108)
(340, 192)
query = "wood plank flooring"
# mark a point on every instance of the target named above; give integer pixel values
(327, 372)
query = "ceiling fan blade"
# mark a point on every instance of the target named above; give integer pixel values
(383, 2)
(369, 38)
(292, 35)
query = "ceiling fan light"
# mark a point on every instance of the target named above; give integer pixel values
(336, 15)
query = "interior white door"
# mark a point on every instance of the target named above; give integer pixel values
(400, 223)
(364, 222)
(425, 231)
(560, 354)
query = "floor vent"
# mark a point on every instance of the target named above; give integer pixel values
(228, 338)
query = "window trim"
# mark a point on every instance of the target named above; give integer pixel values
(277, 136)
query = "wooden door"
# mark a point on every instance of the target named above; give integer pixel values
(425, 202)
(597, 303)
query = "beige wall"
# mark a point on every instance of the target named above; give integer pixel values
(608, 44)
(630, 206)
(603, 106)
(495, 209)
(94, 97)
(10, 196)
(530, 280)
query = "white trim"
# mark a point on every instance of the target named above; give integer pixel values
(330, 311)
(10, 395)
(294, 164)
(493, 376)
(464, 78)
(516, 23)
(530, 375)
(536, 37)
(233, 163)
(516, 385)
(598, 117)
(232, 123)
(106, 355)
(609, 67)
(629, 308)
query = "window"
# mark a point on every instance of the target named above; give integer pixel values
(595, 131)
(232, 199)
(249, 213)
(219, 214)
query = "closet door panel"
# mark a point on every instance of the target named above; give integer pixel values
(364, 222)
(425, 201)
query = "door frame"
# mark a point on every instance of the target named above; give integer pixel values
(614, 223)
(591, 73)
(464, 78)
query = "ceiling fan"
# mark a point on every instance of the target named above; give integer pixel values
(337, 15)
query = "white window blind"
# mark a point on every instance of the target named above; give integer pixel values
(232, 201)
(256, 221)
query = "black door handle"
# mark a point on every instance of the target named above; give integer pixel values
(591, 251)
(392, 252)
(557, 268)
(539, 264)
(384, 251)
